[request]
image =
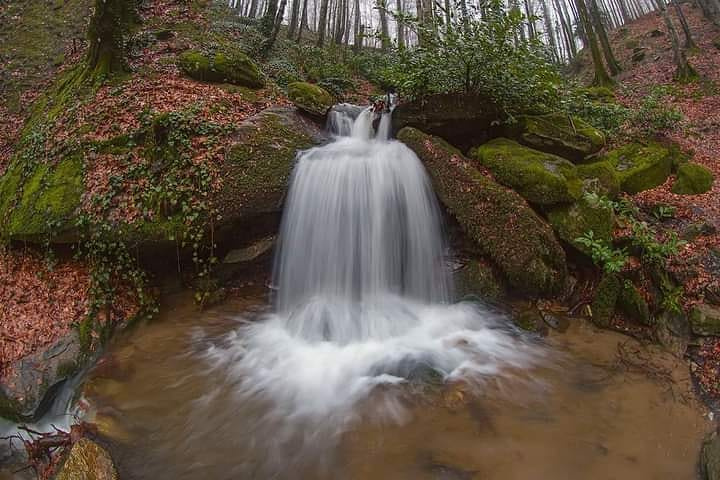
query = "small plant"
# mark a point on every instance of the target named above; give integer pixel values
(663, 212)
(610, 259)
(654, 115)
(672, 299)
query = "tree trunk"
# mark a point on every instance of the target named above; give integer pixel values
(294, 18)
(601, 76)
(683, 72)
(598, 26)
(400, 25)
(109, 23)
(268, 21)
(384, 30)
(357, 28)
(566, 29)
(689, 42)
(549, 28)
(322, 22)
(531, 23)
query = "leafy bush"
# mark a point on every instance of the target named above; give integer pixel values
(611, 260)
(318, 64)
(606, 116)
(336, 86)
(283, 72)
(654, 116)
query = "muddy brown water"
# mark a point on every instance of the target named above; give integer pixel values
(612, 409)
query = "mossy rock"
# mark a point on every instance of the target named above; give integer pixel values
(560, 134)
(599, 94)
(600, 178)
(692, 179)
(87, 461)
(40, 201)
(605, 301)
(631, 303)
(705, 320)
(710, 457)
(641, 167)
(497, 219)
(310, 98)
(573, 221)
(541, 178)
(221, 66)
(477, 278)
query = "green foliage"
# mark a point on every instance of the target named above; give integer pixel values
(283, 72)
(663, 212)
(604, 255)
(484, 56)
(607, 116)
(654, 116)
(318, 64)
(672, 299)
(645, 239)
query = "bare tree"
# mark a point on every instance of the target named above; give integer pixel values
(322, 22)
(601, 76)
(689, 42)
(683, 71)
(599, 28)
(384, 29)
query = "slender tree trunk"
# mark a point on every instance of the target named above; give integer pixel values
(601, 76)
(531, 22)
(358, 31)
(108, 25)
(599, 28)
(566, 30)
(549, 28)
(384, 29)
(294, 18)
(322, 22)
(268, 21)
(684, 72)
(400, 25)
(303, 21)
(689, 42)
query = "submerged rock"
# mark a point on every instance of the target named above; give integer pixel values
(573, 221)
(87, 461)
(222, 66)
(692, 179)
(560, 134)
(462, 119)
(705, 320)
(541, 178)
(499, 220)
(311, 99)
(641, 167)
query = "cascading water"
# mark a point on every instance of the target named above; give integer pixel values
(362, 301)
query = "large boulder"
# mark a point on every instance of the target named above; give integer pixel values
(221, 66)
(560, 134)
(462, 119)
(692, 179)
(641, 167)
(499, 220)
(541, 178)
(600, 178)
(311, 99)
(573, 221)
(87, 461)
(705, 320)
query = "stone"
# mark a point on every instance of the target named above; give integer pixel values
(252, 252)
(311, 99)
(573, 221)
(692, 179)
(221, 65)
(477, 278)
(497, 219)
(705, 320)
(710, 457)
(631, 303)
(541, 178)
(641, 167)
(600, 178)
(560, 134)
(87, 461)
(605, 301)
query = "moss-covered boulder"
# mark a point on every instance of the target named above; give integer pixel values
(499, 220)
(478, 279)
(221, 66)
(633, 305)
(560, 134)
(38, 200)
(541, 178)
(310, 98)
(705, 320)
(692, 179)
(87, 461)
(641, 167)
(573, 221)
(605, 301)
(463, 120)
(599, 177)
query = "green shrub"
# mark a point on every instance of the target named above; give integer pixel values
(283, 72)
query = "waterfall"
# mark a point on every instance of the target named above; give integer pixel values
(362, 299)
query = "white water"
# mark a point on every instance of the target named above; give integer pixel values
(363, 297)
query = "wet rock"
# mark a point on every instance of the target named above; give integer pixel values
(221, 65)
(705, 320)
(692, 179)
(541, 178)
(477, 278)
(463, 120)
(573, 221)
(673, 332)
(33, 379)
(311, 99)
(498, 220)
(252, 252)
(710, 458)
(633, 305)
(641, 167)
(560, 134)
(87, 461)
(530, 319)
(605, 301)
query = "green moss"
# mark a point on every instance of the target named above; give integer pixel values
(500, 222)
(633, 305)
(225, 66)
(478, 278)
(692, 179)
(541, 178)
(600, 94)
(529, 320)
(310, 98)
(10, 409)
(605, 301)
(641, 167)
(560, 134)
(600, 178)
(573, 221)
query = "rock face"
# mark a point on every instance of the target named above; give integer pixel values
(572, 221)
(221, 66)
(641, 167)
(560, 134)
(499, 220)
(692, 179)
(311, 99)
(705, 320)
(87, 461)
(33, 376)
(605, 301)
(710, 458)
(463, 120)
(478, 279)
(541, 178)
